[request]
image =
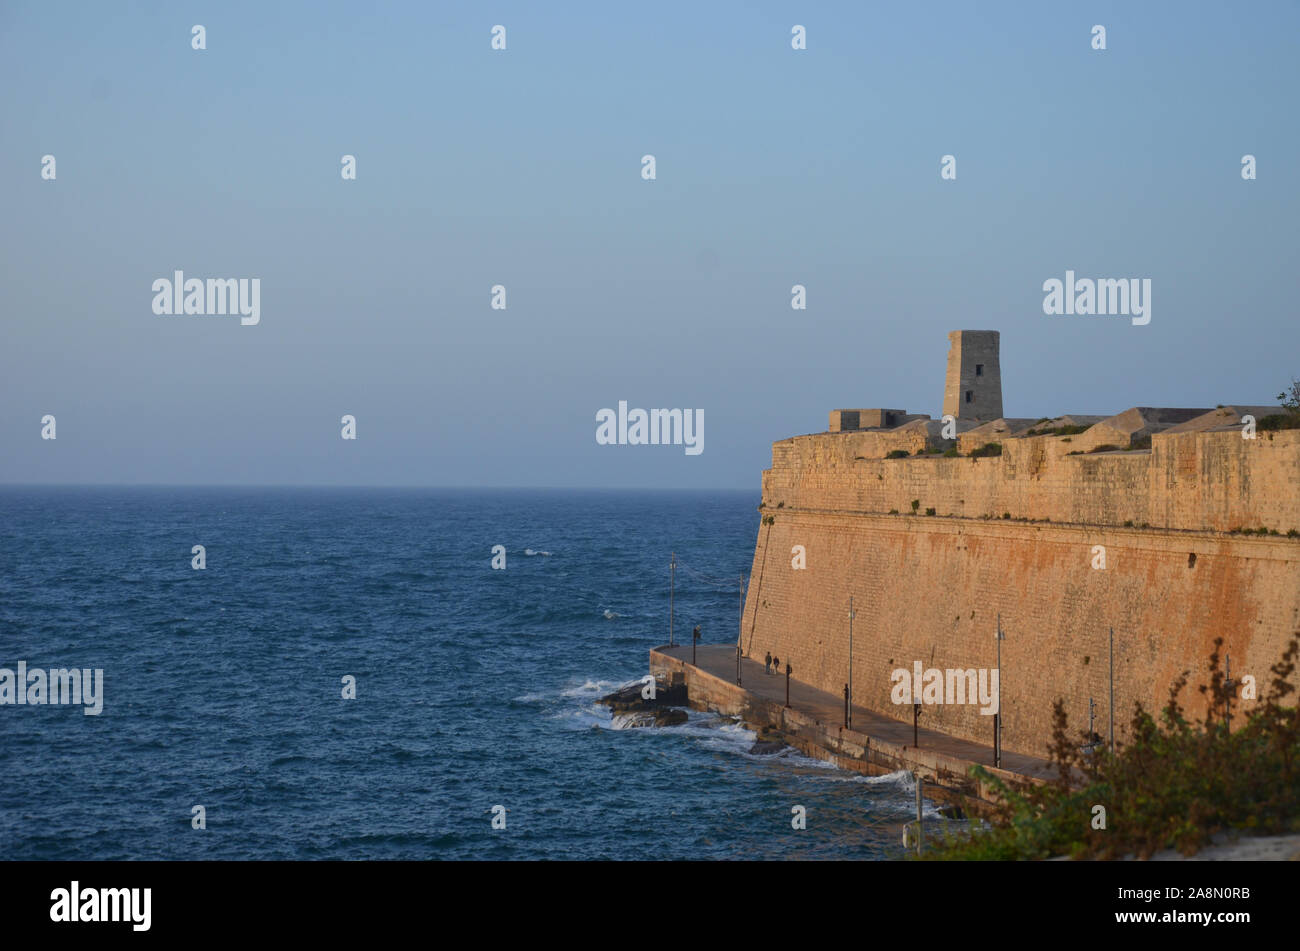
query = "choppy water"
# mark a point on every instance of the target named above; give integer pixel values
(475, 687)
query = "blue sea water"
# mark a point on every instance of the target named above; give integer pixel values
(475, 687)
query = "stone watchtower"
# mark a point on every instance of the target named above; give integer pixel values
(973, 387)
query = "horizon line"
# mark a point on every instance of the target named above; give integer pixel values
(337, 485)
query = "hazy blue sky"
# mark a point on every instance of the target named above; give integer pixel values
(522, 168)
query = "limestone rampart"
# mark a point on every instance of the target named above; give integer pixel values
(930, 588)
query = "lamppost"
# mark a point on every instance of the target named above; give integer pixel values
(740, 626)
(1230, 687)
(1090, 748)
(848, 689)
(1112, 691)
(997, 717)
(672, 579)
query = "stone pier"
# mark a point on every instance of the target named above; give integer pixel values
(814, 724)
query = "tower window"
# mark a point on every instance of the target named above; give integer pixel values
(979, 369)
(970, 396)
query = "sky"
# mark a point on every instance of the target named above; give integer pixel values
(522, 167)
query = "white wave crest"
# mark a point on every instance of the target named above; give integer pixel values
(589, 688)
(630, 721)
(900, 778)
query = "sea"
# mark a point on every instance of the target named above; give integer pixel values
(474, 732)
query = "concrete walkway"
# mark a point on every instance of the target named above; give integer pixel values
(720, 661)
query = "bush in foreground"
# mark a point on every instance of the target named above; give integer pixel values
(1175, 785)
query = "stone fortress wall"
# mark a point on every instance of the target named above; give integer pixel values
(1016, 534)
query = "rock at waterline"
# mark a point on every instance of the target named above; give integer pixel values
(769, 742)
(670, 716)
(666, 716)
(629, 698)
(634, 710)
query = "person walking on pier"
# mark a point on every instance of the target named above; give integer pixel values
(767, 664)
